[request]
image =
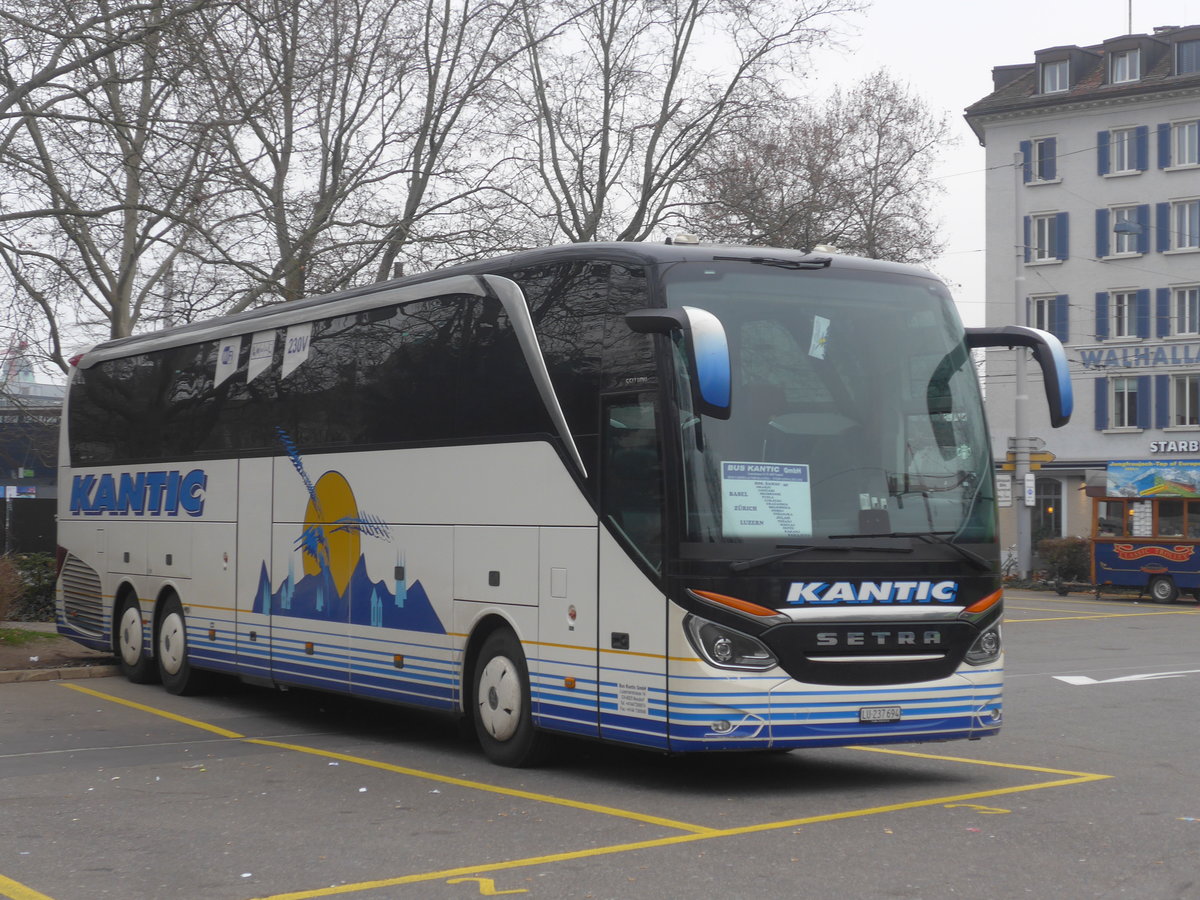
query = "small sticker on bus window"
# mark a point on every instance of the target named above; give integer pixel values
(820, 334)
(295, 348)
(765, 500)
(228, 352)
(262, 352)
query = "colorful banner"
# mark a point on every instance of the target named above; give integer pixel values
(1154, 478)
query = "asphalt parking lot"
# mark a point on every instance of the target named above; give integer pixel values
(110, 789)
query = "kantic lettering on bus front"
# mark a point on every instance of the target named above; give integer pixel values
(331, 582)
(824, 593)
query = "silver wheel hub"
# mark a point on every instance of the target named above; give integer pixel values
(499, 698)
(130, 636)
(171, 643)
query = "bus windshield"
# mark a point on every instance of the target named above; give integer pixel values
(856, 410)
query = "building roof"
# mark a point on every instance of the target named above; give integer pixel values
(1017, 89)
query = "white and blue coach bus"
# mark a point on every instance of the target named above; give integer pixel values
(673, 496)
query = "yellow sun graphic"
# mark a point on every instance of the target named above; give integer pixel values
(334, 503)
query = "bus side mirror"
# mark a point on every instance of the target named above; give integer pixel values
(706, 347)
(1047, 350)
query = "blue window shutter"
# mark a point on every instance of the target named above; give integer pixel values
(1101, 233)
(1162, 401)
(1162, 227)
(1051, 145)
(1101, 403)
(1027, 162)
(1143, 315)
(1101, 315)
(1143, 220)
(1028, 249)
(1061, 326)
(1162, 312)
(1062, 235)
(1143, 401)
(1142, 147)
(1164, 145)
(1102, 164)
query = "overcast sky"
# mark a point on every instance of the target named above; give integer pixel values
(945, 50)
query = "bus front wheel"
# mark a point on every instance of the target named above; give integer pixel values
(174, 667)
(135, 664)
(1163, 590)
(501, 705)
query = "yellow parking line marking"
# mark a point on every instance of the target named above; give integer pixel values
(490, 788)
(696, 832)
(16, 891)
(679, 839)
(416, 773)
(215, 729)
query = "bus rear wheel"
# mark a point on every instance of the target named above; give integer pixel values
(134, 663)
(501, 706)
(1163, 590)
(174, 667)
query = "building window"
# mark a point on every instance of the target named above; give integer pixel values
(1045, 237)
(1185, 143)
(1047, 516)
(1125, 65)
(1045, 153)
(1185, 224)
(1187, 57)
(1186, 305)
(1126, 230)
(1041, 312)
(1123, 147)
(1054, 76)
(1124, 314)
(1124, 404)
(1185, 400)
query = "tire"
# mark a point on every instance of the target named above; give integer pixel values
(171, 651)
(130, 643)
(1163, 590)
(501, 707)
(1060, 587)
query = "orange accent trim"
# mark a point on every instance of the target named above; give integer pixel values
(985, 604)
(734, 603)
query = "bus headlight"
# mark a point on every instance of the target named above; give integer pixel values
(726, 648)
(986, 648)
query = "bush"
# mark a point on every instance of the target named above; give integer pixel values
(27, 587)
(11, 587)
(1066, 559)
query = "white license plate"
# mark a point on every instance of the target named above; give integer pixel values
(879, 714)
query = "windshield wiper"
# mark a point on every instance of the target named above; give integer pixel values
(817, 262)
(935, 537)
(790, 550)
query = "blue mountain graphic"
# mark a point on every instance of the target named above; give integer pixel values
(365, 602)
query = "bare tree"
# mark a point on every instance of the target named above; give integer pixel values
(45, 43)
(354, 133)
(99, 179)
(856, 173)
(627, 93)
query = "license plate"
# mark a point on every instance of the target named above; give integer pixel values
(879, 714)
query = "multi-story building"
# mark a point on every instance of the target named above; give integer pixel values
(1093, 233)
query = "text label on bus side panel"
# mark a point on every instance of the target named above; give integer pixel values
(823, 593)
(153, 493)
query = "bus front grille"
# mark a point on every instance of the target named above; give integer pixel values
(83, 604)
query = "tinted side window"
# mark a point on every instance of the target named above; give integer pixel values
(115, 411)
(446, 368)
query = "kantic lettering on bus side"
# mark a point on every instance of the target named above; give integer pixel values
(824, 593)
(153, 493)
